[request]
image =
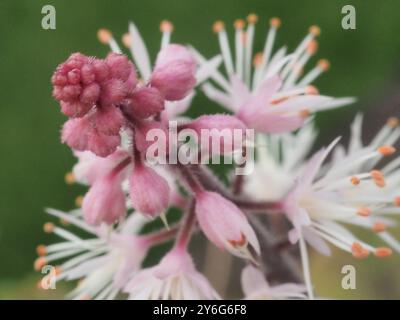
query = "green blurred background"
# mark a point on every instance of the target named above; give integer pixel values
(365, 64)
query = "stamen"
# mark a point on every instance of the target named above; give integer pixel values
(383, 252)
(258, 57)
(378, 226)
(275, 22)
(393, 122)
(324, 64)
(358, 251)
(239, 243)
(355, 181)
(166, 26)
(252, 18)
(386, 150)
(312, 90)
(39, 263)
(312, 47)
(364, 212)
(315, 30)
(69, 178)
(48, 227)
(41, 250)
(239, 24)
(78, 201)
(126, 40)
(218, 26)
(376, 174)
(104, 36)
(305, 113)
(397, 201)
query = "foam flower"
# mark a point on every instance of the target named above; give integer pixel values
(174, 278)
(271, 97)
(256, 287)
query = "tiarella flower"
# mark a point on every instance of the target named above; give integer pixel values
(90, 167)
(174, 278)
(176, 85)
(103, 263)
(279, 160)
(318, 201)
(387, 177)
(270, 98)
(225, 225)
(149, 191)
(256, 287)
(105, 201)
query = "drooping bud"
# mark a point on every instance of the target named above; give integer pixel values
(225, 225)
(105, 201)
(174, 72)
(75, 133)
(149, 191)
(102, 144)
(109, 120)
(145, 102)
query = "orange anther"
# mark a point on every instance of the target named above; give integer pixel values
(127, 40)
(218, 26)
(312, 90)
(397, 201)
(275, 22)
(39, 263)
(305, 113)
(312, 47)
(41, 250)
(252, 18)
(69, 178)
(239, 24)
(315, 30)
(78, 201)
(166, 26)
(364, 212)
(324, 64)
(383, 252)
(393, 122)
(104, 35)
(386, 150)
(48, 227)
(379, 226)
(355, 181)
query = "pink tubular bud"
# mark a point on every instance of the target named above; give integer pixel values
(119, 65)
(174, 72)
(75, 133)
(113, 92)
(105, 201)
(102, 144)
(109, 120)
(90, 94)
(149, 191)
(225, 225)
(222, 131)
(145, 102)
(75, 109)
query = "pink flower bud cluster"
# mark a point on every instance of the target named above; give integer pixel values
(100, 95)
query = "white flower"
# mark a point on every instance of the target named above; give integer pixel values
(256, 287)
(103, 262)
(174, 278)
(272, 97)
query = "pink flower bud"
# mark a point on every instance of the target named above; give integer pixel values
(75, 133)
(174, 72)
(145, 102)
(105, 201)
(119, 66)
(109, 120)
(113, 92)
(225, 225)
(75, 108)
(227, 131)
(102, 144)
(90, 93)
(149, 191)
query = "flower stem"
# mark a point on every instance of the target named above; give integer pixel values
(187, 226)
